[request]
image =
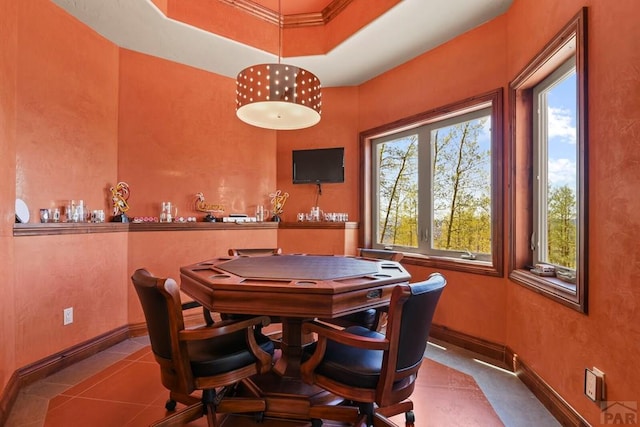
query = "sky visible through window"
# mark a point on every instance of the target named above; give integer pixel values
(561, 101)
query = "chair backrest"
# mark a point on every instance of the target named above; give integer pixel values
(380, 254)
(160, 300)
(254, 251)
(411, 311)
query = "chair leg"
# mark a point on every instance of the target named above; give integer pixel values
(380, 418)
(368, 410)
(347, 414)
(389, 411)
(362, 421)
(181, 417)
(212, 420)
(225, 401)
(382, 421)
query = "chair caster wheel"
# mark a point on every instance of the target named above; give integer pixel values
(410, 418)
(170, 405)
(316, 422)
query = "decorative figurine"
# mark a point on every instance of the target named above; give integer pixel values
(278, 200)
(119, 195)
(210, 208)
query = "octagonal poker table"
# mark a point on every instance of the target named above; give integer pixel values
(293, 288)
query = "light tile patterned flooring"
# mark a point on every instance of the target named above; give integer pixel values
(121, 387)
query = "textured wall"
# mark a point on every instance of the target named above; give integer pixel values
(66, 148)
(472, 64)
(77, 114)
(558, 343)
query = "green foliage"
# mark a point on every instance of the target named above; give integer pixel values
(460, 187)
(398, 191)
(561, 227)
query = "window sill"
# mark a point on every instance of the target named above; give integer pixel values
(468, 266)
(552, 287)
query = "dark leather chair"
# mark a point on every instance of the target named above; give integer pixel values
(372, 318)
(254, 251)
(372, 371)
(213, 359)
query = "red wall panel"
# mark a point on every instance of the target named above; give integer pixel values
(66, 148)
(79, 114)
(472, 64)
(178, 136)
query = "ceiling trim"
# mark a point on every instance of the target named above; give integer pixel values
(405, 31)
(291, 21)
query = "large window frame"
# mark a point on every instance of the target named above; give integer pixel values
(490, 103)
(567, 49)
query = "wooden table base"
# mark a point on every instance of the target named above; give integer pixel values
(288, 397)
(231, 420)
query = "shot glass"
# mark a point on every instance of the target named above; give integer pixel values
(45, 215)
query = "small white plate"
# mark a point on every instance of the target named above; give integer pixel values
(22, 211)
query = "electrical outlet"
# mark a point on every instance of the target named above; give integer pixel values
(594, 384)
(67, 316)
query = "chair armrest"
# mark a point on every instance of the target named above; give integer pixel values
(326, 333)
(343, 337)
(222, 328)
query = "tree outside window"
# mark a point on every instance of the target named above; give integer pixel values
(549, 181)
(433, 185)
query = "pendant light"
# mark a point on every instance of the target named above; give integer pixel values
(278, 96)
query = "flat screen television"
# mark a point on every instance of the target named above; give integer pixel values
(318, 165)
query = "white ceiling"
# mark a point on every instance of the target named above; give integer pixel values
(407, 30)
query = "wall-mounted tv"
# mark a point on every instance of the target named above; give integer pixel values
(318, 165)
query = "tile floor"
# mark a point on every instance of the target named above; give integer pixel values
(121, 387)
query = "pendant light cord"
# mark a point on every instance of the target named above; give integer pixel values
(279, 30)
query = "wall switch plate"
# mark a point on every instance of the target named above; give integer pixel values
(594, 384)
(67, 317)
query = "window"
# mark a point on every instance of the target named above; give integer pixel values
(549, 148)
(554, 153)
(433, 182)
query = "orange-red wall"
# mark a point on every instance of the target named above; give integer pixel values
(8, 70)
(472, 304)
(77, 114)
(66, 148)
(178, 136)
(338, 128)
(556, 342)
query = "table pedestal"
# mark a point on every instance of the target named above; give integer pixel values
(288, 365)
(288, 398)
(286, 395)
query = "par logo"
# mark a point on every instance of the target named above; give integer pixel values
(619, 413)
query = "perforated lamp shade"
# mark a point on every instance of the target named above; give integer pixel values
(278, 96)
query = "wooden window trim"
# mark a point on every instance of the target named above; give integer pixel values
(496, 266)
(520, 196)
